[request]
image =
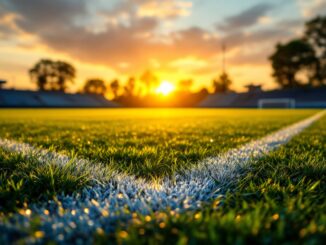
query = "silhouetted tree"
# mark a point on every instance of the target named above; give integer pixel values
(149, 80)
(222, 84)
(315, 34)
(203, 92)
(291, 58)
(64, 72)
(52, 75)
(42, 72)
(115, 86)
(95, 86)
(130, 87)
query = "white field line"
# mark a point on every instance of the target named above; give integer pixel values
(102, 205)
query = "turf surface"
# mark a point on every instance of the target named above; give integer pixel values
(147, 143)
(281, 200)
(26, 180)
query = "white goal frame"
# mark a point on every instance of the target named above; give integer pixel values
(289, 103)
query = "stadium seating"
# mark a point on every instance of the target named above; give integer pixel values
(21, 98)
(303, 97)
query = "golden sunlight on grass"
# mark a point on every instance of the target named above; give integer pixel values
(165, 88)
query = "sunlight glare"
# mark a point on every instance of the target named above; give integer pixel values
(165, 88)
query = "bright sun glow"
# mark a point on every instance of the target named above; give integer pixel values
(165, 88)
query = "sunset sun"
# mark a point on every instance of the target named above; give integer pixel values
(165, 88)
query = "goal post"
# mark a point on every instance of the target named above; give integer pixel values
(276, 103)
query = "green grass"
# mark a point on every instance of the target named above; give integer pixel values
(26, 180)
(281, 200)
(144, 142)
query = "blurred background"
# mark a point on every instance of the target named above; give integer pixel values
(173, 53)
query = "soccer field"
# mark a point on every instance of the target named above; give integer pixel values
(148, 143)
(162, 175)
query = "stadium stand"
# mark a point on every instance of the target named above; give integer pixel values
(25, 98)
(302, 97)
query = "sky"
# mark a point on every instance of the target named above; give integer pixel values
(176, 39)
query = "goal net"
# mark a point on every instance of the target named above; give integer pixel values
(276, 103)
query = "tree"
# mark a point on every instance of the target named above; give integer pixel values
(41, 73)
(115, 86)
(222, 84)
(315, 34)
(130, 87)
(203, 92)
(52, 75)
(95, 86)
(290, 59)
(64, 72)
(149, 80)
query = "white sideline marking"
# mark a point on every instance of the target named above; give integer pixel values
(188, 190)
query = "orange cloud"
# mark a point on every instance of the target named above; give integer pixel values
(188, 64)
(164, 9)
(126, 39)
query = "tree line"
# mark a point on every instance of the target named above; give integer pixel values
(299, 62)
(52, 75)
(302, 61)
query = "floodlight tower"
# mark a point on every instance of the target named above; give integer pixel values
(223, 58)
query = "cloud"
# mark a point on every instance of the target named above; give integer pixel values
(7, 26)
(291, 23)
(124, 38)
(246, 18)
(46, 16)
(165, 9)
(312, 8)
(133, 41)
(132, 45)
(254, 48)
(188, 63)
(257, 38)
